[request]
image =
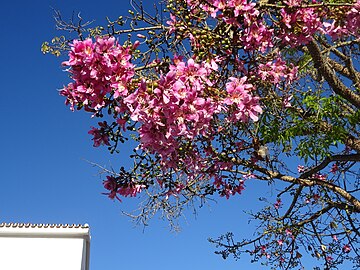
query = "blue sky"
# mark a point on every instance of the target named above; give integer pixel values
(44, 175)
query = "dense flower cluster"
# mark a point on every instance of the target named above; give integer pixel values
(98, 69)
(228, 189)
(295, 24)
(347, 24)
(174, 106)
(181, 106)
(247, 106)
(276, 71)
(254, 33)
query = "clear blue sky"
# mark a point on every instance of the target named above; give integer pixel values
(44, 178)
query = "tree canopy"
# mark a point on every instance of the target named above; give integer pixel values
(217, 94)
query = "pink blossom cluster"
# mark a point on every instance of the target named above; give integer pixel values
(171, 111)
(98, 69)
(349, 25)
(257, 36)
(295, 24)
(353, 19)
(174, 106)
(228, 189)
(277, 70)
(180, 105)
(215, 6)
(247, 106)
(126, 190)
(255, 33)
(298, 25)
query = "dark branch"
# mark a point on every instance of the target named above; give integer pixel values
(304, 182)
(335, 83)
(322, 165)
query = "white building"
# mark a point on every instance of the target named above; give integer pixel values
(44, 247)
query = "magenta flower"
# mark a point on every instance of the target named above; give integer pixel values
(329, 258)
(277, 204)
(242, 6)
(346, 248)
(298, 26)
(334, 168)
(301, 168)
(111, 185)
(99, 135)
(247, 106)
(277, 71)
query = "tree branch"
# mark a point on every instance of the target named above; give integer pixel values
(304, 182)
(322, 165)
(350, 73)
(295, 198)
(325, 70)
(315, 215)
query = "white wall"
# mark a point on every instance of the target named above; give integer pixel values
(40, 253)
(44, 248)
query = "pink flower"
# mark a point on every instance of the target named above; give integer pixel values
(320, 176)
(300, 168)
(247, 106)
(249, 176)
(218, 181)
(111, 185)
(172, 23)
(257, 36)
(178, 108)
(131, 190)
(289, 233)
(293, 3)
(334, 168)
(316, 197)
(329, 258)
(346, 248)
(286, 102)
(277, 204)
(122, 123)
(298, 26)
(348, 24)
(276, 71)
(220, 4)
(238, 188)
(99, 135)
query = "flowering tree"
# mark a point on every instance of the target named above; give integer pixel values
(217, 94)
